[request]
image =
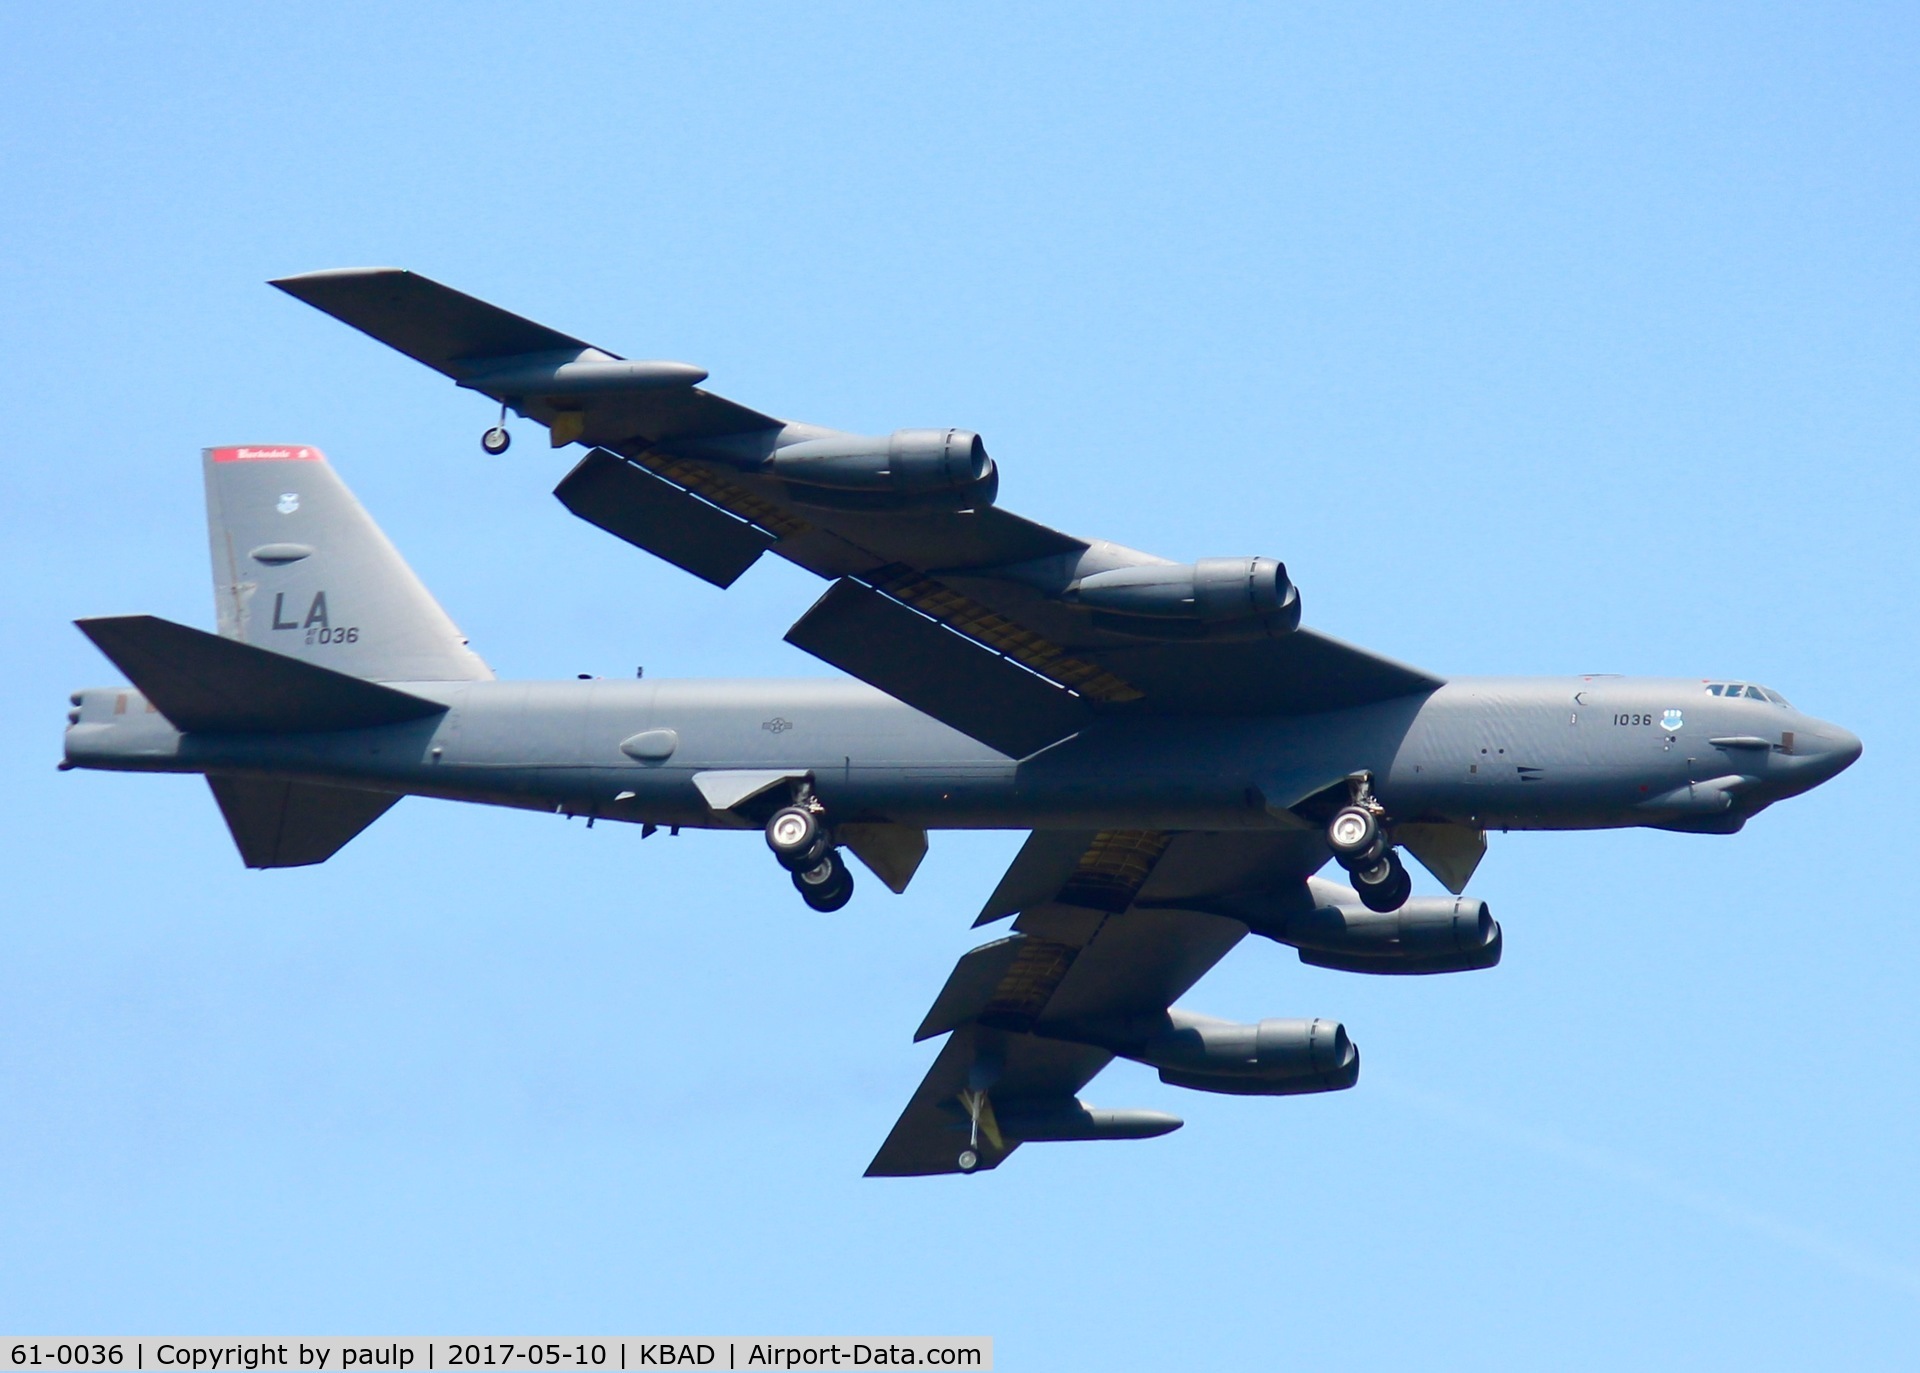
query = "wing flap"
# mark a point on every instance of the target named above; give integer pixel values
(1139, 963)
(986, 538)
(1040, 869)
(989, 575)
(661, 517)
(956, 680)
(970, 986)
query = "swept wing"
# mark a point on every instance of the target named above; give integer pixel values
(968, 612)
(1111, 928)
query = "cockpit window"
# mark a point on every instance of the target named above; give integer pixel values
(1745, 690)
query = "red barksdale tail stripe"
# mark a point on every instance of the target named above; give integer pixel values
(274, 452)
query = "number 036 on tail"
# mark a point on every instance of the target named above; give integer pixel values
(1186, 754)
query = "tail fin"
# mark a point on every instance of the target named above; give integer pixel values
(299, 568)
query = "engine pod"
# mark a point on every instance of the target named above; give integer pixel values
(1426, 935)
(1212, 598)
(931, 468)
(1270, 1058)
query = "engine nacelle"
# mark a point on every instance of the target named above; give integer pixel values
(1215, 597)
(1445, 934)
(944, 468)
(1272, 1058)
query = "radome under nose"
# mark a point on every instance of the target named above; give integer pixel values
(1837, 749)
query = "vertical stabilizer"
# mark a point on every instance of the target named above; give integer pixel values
(299, 568)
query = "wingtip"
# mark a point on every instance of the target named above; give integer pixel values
(290, 284)
(86, 624)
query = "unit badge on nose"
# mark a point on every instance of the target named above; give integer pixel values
(289, 502)
(1671, 721)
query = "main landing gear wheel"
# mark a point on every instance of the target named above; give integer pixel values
(798, 840)
(1383, 885)
(968, 1160)
(1354, 835)
(827, 886)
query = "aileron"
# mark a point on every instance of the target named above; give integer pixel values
(883, 642)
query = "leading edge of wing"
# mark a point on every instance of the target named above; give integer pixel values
(418, 316)
(963, 568)
(577, 390)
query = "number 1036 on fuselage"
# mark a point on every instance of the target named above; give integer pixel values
(1186, 754)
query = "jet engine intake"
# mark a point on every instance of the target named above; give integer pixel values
(1429, 934)
(945, 468)
(1215, 597)
(1271, 1058)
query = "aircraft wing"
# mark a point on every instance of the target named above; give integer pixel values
(967, 612)
(487, 349)
(1110, 926)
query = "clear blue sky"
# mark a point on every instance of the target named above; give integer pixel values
(1534, 339)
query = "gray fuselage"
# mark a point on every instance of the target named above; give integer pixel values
(1496, 753)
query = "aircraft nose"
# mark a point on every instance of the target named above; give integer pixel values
(1838, 749)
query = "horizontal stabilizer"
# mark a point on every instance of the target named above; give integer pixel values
(667, 521)
(279, 824)
(957, 681)
(202, 682)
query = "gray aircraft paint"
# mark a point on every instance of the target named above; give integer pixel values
(300, 568)
(1186, 740)
(1501, 753)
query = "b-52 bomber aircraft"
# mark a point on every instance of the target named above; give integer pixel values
(1186, 755)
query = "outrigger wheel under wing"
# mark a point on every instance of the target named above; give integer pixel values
(688, 475)
(1106, 933)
